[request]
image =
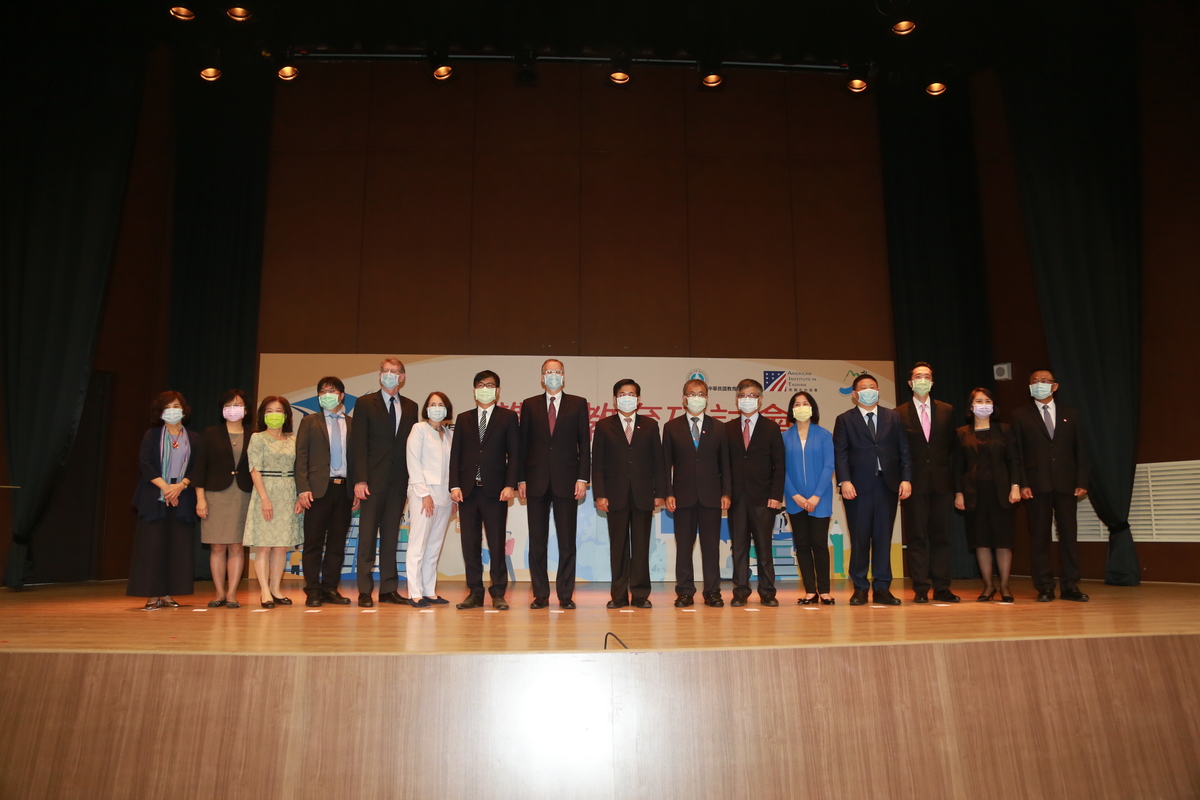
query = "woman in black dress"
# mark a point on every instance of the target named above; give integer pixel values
(987, 478)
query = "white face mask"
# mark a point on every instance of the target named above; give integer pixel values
(172, 416)
(627, 404)
(436, 413)
(697, 405)
(747, 405)
(554, 381)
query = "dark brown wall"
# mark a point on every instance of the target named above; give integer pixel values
(530, 204)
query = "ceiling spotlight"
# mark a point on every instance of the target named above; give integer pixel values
(443, 72)
(210, 73)
(904, 27)
(439, 64)
(526, 74)
(936, 88)
(288, 72)
(618, 70)
(238, 14)
(182, 12)
(856, 85)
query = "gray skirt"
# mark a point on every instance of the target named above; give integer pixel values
(226, 521)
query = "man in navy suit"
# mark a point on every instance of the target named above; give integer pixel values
(873, 470)
(552, 473)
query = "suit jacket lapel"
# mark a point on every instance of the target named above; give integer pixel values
(491, 423)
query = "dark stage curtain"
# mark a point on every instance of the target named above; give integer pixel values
(1073, 112)
(222, 149)
(70, 118)
(935, 250)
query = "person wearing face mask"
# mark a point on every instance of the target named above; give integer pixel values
(873, 469)
(325, 493)
(223, 487)
(162, 562)
(756, 468)
(628, 482)
(696, 460)
(274, 522)
(929, 425)
(1050, 436)
(483, 479)
(808, 486)
(428, 454)
(987, 485)
(553, 473)
(379, 473)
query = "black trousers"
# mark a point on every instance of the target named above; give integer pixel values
(163, 559)
(870, 517)
(927, 539)
(325, 526)
(566, 511)
(687, 522)
(379, 520)
(629, 551)
(752, 522)
(476, 515)
(810, 536)
(1045, 509)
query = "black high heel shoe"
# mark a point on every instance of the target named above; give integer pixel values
(1006, 598)
(808, 601)
(827, 602)
(983, 598)
(283, 601)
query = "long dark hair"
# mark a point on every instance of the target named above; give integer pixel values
(812, 401)
(262, 413)
(970, 439)
(227, 398)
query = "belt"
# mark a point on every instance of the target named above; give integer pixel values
(337, 481)
(479, 483)
(275, 473)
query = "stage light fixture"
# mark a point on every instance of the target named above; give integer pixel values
(710, 72)
(856, 85)
(526, 74)
(210, 73)
(904, 27)
(439, 64)
(935, 88)
(859, 76)
(183, 12)
(618, 70)
(443, 72)
(238, 14)
(288, 72)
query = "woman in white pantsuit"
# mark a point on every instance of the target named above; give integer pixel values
(428, 498)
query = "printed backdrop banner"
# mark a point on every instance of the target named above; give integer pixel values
(295, 376)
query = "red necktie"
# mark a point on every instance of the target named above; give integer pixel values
(553, 416)
(746, 435)
(629, 429)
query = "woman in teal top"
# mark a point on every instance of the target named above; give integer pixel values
(808, 486)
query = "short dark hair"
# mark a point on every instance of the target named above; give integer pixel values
(487, 373)
(812, 401)
(160, 403)
(228, 398)
(262, 413)
(331, 380)
(1042, 369)
(626, 382)
(915, 366)
(863, 377)
(445, 401)
(691, 381)
(746, 383)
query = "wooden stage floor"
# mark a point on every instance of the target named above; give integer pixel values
(98, 617)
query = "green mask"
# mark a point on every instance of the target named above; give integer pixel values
(328, 401)
(274, 421)
(485, 394)
(921, 386)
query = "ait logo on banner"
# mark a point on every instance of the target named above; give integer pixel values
(775, 380)
(788, 381)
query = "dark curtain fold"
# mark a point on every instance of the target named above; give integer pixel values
(70, 121)
(1073, 113)
(222, 156)
(935, 249)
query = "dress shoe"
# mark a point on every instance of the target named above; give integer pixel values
(566, 605)
(946, 596)
(1006, 598)
(335, 597)
(827, 601)
(808, 601)
(859, 598)
(921, 596)
(539, 602)
(313, 601)
(985, 596)
(884, 597)
(169, 604)
(616, 604)
(152, 605)
(215, 603)
(472, 601)
(642, 604)
(394, 598)
(769, 602)
(1045, 596)
(1073, 594)
(500, 603)
(283, 601)
(683, 601)
(736, 602)
(267, 603)
(365, 601)
(420, 603)
(713, 600)
(232, 604)
(438, 601)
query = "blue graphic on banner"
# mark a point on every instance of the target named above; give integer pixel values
(350, 571)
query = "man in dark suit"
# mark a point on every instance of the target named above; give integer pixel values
(696, 460)
(628, 482)
(483, 479)
(553, 474)
(1050, 434)
(931, 428)
(323, 484)
(872, 465)
(379, 472)
(756, 462)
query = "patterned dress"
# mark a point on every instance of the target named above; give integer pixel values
(275, 460)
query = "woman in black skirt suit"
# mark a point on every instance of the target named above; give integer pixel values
(987, 480)
(162, 564)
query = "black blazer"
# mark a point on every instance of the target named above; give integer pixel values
(214, 468)
(757, 473)
(312, 455)
(697, 475)
(495, 457)
(145, 496)
(932, 461)
(855, 454)
(378, 453)
(1006, 463)
(1058, 464)
(554, 462)
(619, 465)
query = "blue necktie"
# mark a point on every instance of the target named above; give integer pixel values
(335, 443)
(695, 434)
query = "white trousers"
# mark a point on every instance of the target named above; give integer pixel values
(426, 535)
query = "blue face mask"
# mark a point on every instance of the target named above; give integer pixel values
(868, 397)
(554, 382)
(328, 401)
(627, 404)
(1041, 391)
(389, 380)
(172, 416)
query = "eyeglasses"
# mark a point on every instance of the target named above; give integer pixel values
(749, 396)
(553, 372)
(695, 394)
(485, 386)
(391, 371)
